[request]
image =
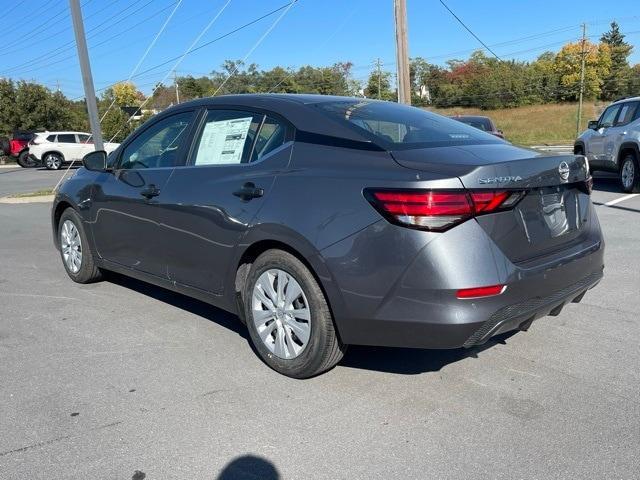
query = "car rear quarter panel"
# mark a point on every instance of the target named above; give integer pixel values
(318, 202)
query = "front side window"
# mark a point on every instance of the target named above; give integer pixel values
(66, 138)
(226, 137)
(401, 127)
(159, 145)
(609, 115)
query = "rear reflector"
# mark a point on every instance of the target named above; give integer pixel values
(480, 292)
(438, 210)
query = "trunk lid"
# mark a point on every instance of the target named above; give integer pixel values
(553, 215)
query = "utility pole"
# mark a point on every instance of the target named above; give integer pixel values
(175, 83)
(402, 52)
(87, 78)
(379, 70)
(583, 55)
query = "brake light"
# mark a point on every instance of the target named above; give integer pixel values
(480, 292)
(438, 210)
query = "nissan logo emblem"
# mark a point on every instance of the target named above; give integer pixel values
(563, 170)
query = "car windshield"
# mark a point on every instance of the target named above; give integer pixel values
(398, 127)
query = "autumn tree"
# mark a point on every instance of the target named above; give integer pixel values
(567, 65)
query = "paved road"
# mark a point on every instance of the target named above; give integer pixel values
(119, 380)
(23, 180)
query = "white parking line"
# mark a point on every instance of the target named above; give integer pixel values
(621, 199)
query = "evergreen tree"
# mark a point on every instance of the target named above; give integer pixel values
(616, 83)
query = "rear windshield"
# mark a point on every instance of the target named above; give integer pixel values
(399, 127)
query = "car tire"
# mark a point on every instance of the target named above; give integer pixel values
(25, 161)
(53, 161)
(630, 174)
(75, 251)
(295, 335)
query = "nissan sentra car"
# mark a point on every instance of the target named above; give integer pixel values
(327, 221)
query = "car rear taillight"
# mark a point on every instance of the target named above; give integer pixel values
(439, 210)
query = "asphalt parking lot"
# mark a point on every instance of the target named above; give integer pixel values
(120, 380)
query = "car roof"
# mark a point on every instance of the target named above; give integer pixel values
(62, 133)
(629, 99)
(296, 108)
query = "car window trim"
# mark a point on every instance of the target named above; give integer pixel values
(147, 125)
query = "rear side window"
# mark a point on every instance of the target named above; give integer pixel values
(627, 113)
(398, 127)
(227, 137)
(272, 134)
(51, 138)
(66, 138)
(84, 138)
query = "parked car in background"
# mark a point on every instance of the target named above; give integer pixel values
(324, 221)
(17, 147)
(53, 149)
(612, 143)
(481, 123)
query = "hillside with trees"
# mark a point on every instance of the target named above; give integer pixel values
(479, 82)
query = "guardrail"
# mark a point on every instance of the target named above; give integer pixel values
(554, 148)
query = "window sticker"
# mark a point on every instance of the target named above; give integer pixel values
(223, 141)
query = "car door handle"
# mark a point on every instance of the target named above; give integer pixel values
(150, 191)
(249, 191)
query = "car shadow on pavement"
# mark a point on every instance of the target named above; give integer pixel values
(607, 184)
(412, 361)
(188, 304)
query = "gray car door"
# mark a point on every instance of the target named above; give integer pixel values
(209, 204)
(124, 201)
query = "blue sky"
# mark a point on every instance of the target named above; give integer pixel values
(315, 32)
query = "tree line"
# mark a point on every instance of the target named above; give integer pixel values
(479, 81)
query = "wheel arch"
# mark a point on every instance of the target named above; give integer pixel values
(47, 152)
(299, 248)
(579, 145)
(56, 214)
(625, 149)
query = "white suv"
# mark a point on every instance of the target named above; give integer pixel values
(52, 149)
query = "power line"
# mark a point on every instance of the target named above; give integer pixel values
(469, 30)
(180, 59)
(260, 40)
(144, 55)
(206, 44)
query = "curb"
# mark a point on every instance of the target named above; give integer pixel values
(38, 199)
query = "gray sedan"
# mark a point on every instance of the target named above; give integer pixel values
(328, 221)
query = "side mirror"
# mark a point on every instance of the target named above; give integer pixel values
(592, 125)
(95, 161)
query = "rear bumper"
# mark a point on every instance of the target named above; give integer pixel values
(393, 304)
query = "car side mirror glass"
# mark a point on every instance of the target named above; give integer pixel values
(592, 125)
(95, 161)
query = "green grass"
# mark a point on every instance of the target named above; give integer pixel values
(37, 193)
(552, 124)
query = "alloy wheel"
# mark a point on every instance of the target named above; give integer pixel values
(628, 173)
(53, 161)
(71, 246)
(281, 313)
